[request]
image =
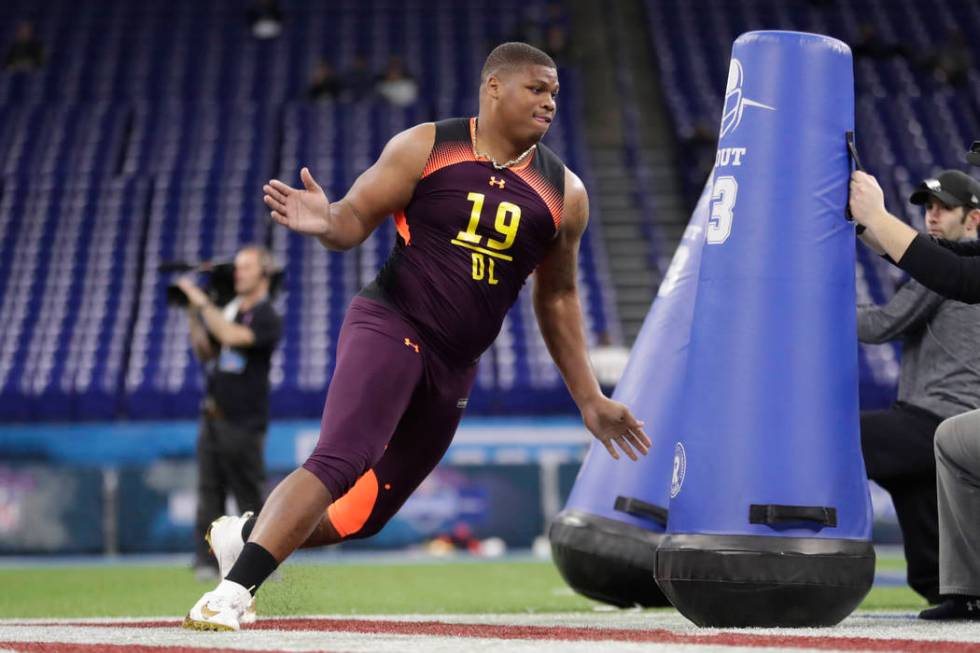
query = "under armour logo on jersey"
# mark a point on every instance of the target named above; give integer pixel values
(499, 183)
(411, 345)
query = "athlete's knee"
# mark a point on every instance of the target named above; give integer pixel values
(337, 475)
(338, 469)
(358, 514)
(370, 529)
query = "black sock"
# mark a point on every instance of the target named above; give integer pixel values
(247, 527)
(253, 566)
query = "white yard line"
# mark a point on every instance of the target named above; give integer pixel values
(879, 625)
(306, 641)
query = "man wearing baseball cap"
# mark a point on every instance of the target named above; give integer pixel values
(952, 188)
(940, 378)
(957, 479)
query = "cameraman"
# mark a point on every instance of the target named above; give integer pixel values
(235, 344)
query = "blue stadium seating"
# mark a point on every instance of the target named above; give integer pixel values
(909, 124)
(146, 137)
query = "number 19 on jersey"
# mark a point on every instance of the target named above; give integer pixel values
(506, 223)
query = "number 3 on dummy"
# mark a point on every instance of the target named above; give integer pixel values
(723, 196)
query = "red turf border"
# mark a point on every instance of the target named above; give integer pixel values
(551, 633)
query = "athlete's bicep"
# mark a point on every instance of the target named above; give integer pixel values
(387, 186)
(558, 270)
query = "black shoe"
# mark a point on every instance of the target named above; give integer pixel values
(957, 608)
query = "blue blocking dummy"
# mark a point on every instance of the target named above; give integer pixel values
(605, 539)
(770, 518)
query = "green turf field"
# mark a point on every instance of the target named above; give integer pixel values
(325, 588)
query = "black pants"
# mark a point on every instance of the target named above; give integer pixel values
(898, 453)
(229, 461)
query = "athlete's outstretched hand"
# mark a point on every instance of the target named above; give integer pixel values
(304, 211)
(612, 423)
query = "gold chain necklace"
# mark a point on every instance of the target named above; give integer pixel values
(493, 162)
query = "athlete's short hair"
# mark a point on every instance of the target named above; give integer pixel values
(513, 55)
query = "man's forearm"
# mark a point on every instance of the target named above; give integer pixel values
(227, 333)
(891, 234)
(869, 239)
(560, 320)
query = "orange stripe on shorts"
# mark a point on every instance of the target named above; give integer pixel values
(349, 513)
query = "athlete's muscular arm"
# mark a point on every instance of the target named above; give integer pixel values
(381, 190)
(559, 313)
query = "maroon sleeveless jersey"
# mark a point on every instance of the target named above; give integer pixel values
(468, 239)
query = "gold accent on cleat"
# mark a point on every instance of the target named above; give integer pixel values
(192, 624)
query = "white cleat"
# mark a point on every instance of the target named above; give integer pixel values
(224, 536)
(219, 609)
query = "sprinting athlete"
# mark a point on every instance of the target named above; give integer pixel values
(479, 205)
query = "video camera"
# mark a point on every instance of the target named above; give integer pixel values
(220, 284)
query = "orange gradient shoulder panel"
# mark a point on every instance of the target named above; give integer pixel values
(447, 154)
(349, 513)
(554, 200)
